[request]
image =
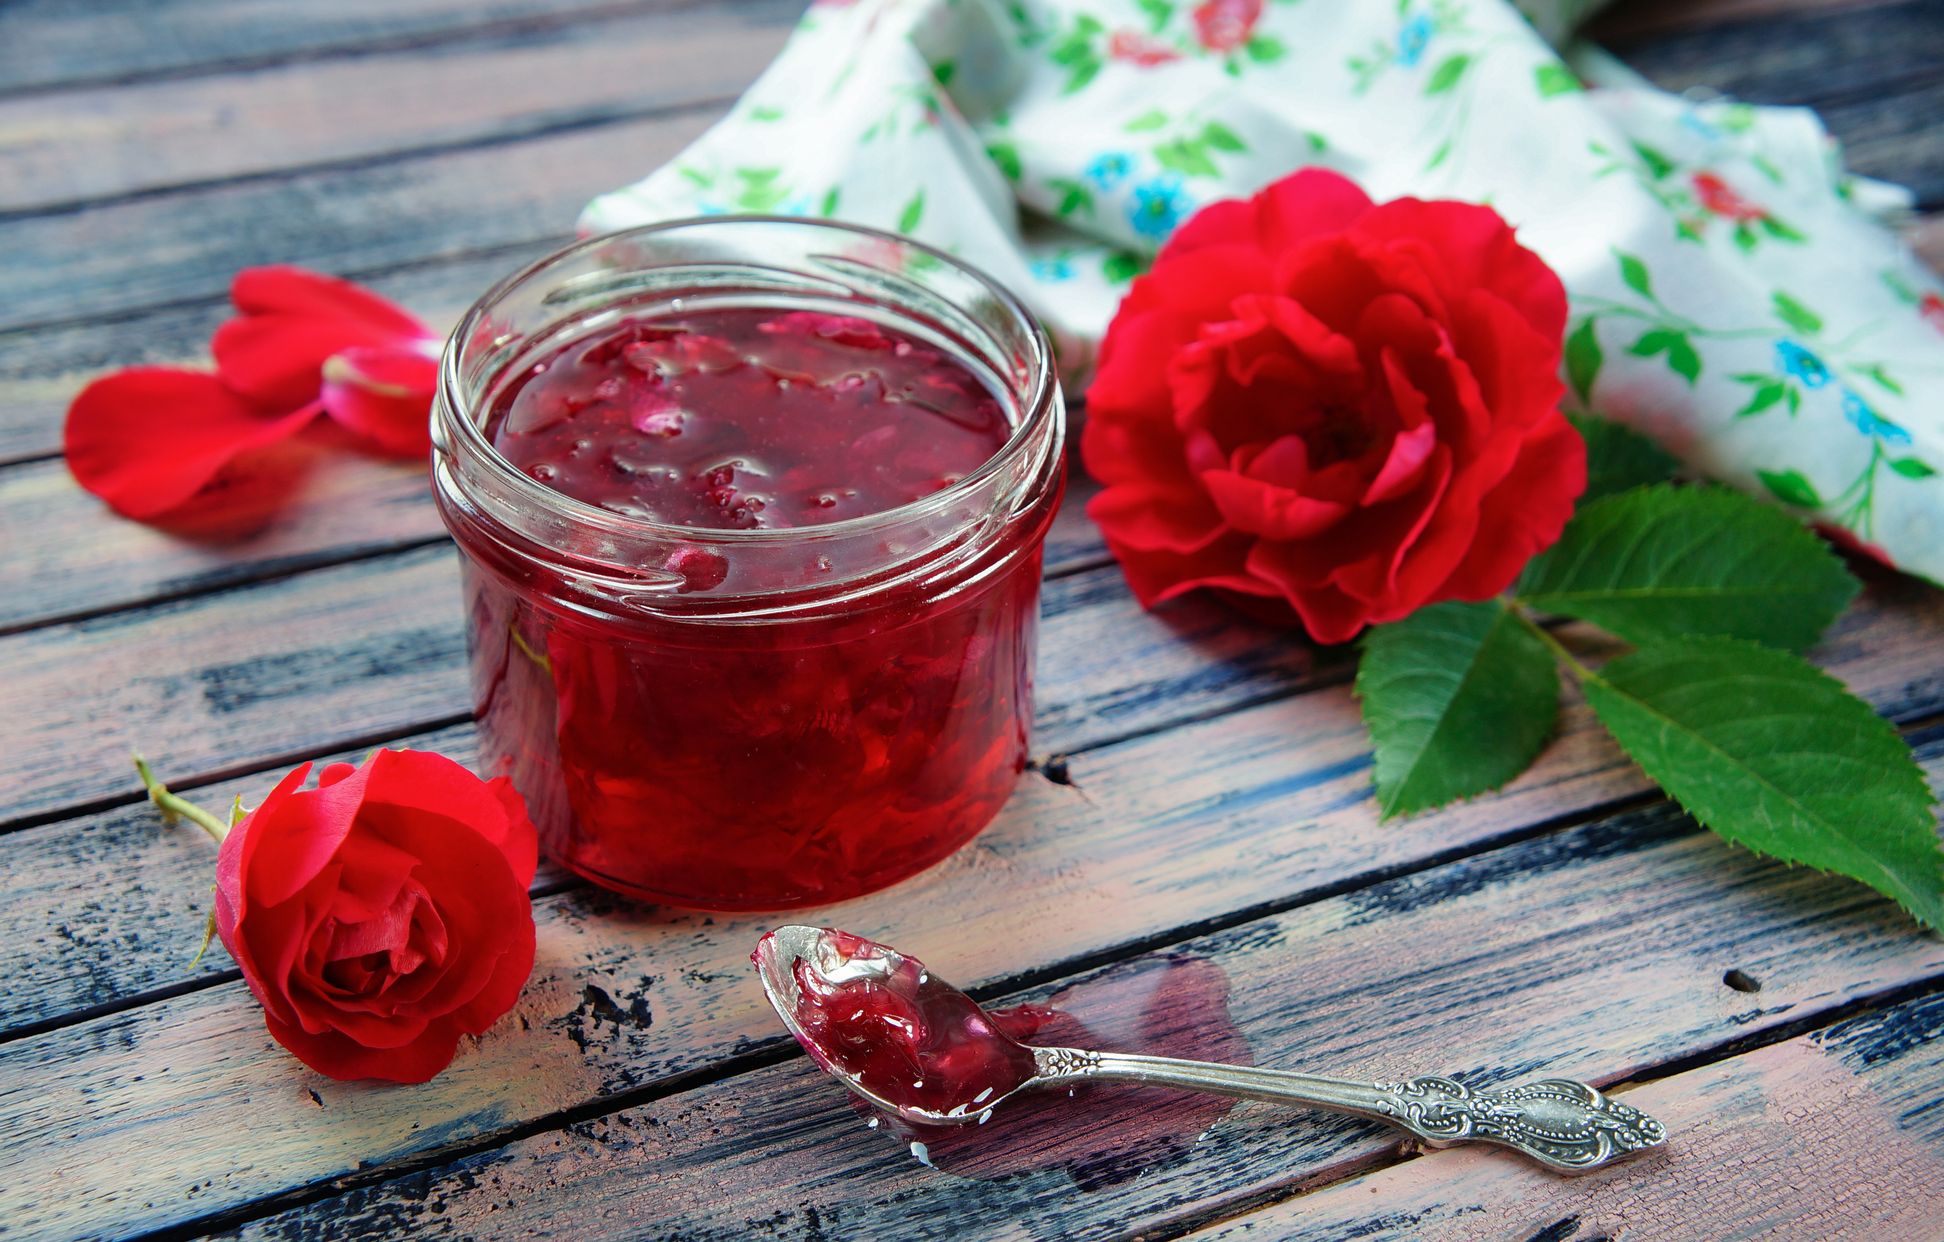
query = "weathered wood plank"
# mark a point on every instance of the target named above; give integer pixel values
(1597, 953)
(50, 43)
(1834, 1134)
(127, 256)
(1064, 875)
(232, 681)
(311, 504)
(119, 140)
(72, 892)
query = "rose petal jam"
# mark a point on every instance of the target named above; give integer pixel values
(881, 1020)
(794, 751)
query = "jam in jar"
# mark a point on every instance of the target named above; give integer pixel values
(751, 514)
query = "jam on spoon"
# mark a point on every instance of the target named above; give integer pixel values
(888, 1028)
(910, 1043)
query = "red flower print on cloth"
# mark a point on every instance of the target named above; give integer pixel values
(1225, 25)
(1334, 411)
(1720, 198)
(148, 439)
(1932, 309)
(1137, 49)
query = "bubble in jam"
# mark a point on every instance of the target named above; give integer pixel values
(743, 418)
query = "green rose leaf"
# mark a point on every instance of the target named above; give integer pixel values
(1778, 230)
(1618, 458)
(1459, 699)
(1147, 121)
(1583, 359)
(1446, 75)
(1222, 138)
(1634, 272)
(1664, 562)
(913, 212)
(1553, 78)
(1774, 754)
(1795, 314)
(1790, 487)
(1158, 13)
(1911, 468)
(828, 207)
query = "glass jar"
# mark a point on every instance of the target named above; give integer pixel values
(752, 719)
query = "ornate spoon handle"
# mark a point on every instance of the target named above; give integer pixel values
(1564, 1125)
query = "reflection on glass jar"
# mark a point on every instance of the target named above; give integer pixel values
(751, 513)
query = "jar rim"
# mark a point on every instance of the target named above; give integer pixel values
(1037, 405)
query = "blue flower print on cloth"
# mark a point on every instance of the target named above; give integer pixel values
(1412, 39)
(1871, 423)
(1801, 364)
(1110, 169)
(1158, 206)
(1728, 282)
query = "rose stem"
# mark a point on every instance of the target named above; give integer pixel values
(174, 806)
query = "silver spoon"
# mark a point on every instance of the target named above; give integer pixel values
(1565, 1125)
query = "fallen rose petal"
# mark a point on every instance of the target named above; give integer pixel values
(147, 439)
(293, 322)
(384, 395)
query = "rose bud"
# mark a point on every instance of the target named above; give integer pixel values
(379, 916)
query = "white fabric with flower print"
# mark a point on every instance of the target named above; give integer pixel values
(1733, 293)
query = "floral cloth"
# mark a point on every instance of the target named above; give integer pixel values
(1734, 293)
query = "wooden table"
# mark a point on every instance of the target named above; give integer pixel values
(1215, 801)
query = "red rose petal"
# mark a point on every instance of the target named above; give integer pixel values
(338, 1056)
(1525, 513)
(281, 289)
(1177, 519)
(1307, 203)
(425, 781)
(1268, 510)
(147, 439)
(385, 395)
(1473, 247)
(1157, 577)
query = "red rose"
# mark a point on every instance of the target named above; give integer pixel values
(381, 915)
(1225, 25)
(1138, 49)
(1720, 198)
(1347, 410)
